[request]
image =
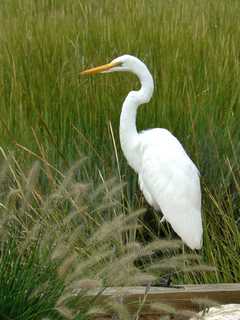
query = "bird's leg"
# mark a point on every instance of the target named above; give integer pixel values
(166, 281)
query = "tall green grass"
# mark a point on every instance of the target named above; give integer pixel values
(191, 48)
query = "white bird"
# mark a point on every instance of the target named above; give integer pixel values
(167, 176)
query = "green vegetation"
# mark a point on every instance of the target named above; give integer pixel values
(50, 113)
(50, 260)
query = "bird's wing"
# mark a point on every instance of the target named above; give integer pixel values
(170, 177)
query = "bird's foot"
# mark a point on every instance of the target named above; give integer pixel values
(165, 282)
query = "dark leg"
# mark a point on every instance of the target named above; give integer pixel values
(166, 282)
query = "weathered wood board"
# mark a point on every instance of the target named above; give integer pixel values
(181, 298)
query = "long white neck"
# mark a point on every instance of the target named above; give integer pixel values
(128, 131)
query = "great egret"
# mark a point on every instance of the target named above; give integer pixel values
(168, 178)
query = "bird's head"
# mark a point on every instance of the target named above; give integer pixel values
(131, 64)
(122, 63)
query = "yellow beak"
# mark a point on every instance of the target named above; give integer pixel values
(102, 68)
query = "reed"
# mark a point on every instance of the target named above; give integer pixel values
(51, 114)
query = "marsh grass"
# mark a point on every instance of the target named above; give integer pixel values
(51, 114)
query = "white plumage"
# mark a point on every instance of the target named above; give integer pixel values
(168, 178)
(169, 181)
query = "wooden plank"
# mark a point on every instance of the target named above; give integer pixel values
(181, 298)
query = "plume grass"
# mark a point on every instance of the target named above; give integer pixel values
(56, 252)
